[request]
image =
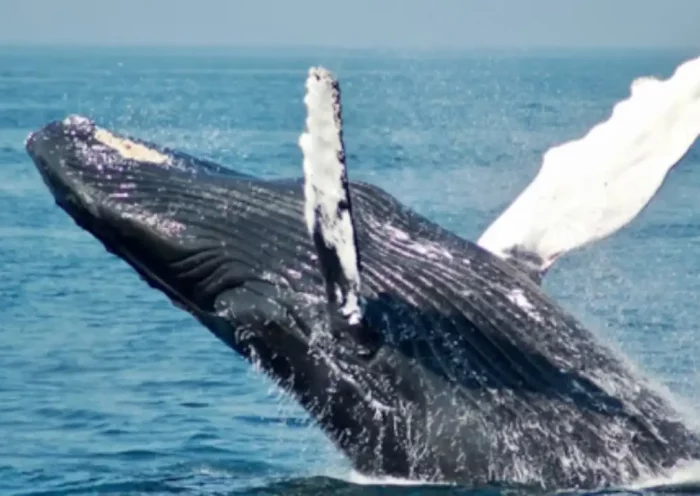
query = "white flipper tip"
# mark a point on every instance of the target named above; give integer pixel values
(323, 121)
(352, 310)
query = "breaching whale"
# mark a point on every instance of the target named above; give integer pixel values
(420, 354)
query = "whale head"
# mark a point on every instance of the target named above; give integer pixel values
(194, 230)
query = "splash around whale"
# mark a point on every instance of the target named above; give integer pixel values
(420, 354)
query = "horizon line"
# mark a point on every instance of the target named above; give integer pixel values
(330, 47)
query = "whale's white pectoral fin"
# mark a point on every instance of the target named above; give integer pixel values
(328, 210)
(589, 188)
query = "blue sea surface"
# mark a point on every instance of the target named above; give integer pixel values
(106, 388)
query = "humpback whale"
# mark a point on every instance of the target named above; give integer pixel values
(420, 354)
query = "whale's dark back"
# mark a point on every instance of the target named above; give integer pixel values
(467, 371)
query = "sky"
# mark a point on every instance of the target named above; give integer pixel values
(426, 24)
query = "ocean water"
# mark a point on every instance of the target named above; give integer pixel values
(106, 388)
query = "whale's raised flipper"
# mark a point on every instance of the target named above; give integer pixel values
(589, 188)
(328, 210)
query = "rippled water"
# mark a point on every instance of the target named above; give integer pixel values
(107, 388)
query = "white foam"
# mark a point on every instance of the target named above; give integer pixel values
(687, 473)
(589, 188)
(355, 477)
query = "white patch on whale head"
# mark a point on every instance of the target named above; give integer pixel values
(130, 149)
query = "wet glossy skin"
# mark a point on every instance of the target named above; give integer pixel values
(465, 371)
